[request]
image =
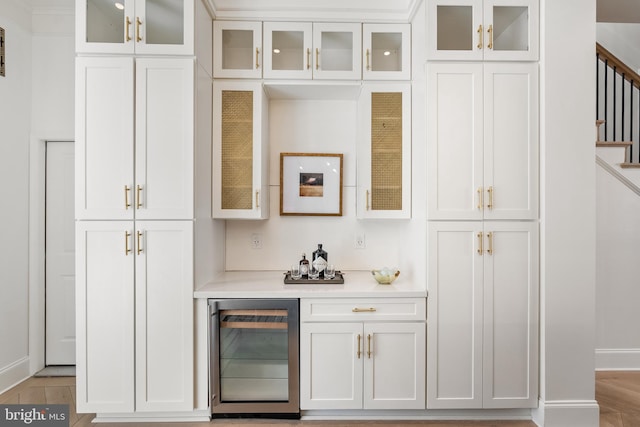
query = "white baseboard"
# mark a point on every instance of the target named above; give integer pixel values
(618, 359)
(13, 374)
(567, 413)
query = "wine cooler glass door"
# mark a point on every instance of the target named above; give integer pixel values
(255, 356)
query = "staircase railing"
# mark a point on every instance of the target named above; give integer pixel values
(617, 104)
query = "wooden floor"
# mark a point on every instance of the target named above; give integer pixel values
(618, 394)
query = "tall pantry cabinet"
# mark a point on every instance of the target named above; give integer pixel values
(142, 75)
(482, 196)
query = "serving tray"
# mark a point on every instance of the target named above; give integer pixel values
(338, 280)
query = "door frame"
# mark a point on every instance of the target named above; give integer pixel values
(37, 196)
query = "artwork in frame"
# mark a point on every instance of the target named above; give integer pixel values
(311, 184)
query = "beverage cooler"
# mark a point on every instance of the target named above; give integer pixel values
(254, 357)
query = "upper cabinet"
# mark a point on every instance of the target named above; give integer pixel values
(134, 138)
(482, 154)
(384, 151)
(305, 50)
(497, 30)
(240, 177)
(237, 49)
(386, 51)
(318, 50)
(135, 26)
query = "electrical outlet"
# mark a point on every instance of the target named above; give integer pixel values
(256, 241)
(360, 242)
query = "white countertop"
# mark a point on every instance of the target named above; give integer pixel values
(270, 284)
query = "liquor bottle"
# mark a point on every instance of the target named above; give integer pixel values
(304, 266)
(320, 259)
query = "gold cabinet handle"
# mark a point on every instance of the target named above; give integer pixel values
(368, 66)
(138, 24)
(490, 31)
(359, 352)
(369, 346)
(490, 191)
(490, 240)
(127, 205)
(138, 196)
(127, 25)
(308, 58)
(317, 59)
(480, 37)
(139, 235)
(367, 201)
(257, 58)
(480, 199)
(127, 250)
(257, 199)
(480, 248)
(363, 310)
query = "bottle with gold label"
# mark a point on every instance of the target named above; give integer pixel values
(320, 259)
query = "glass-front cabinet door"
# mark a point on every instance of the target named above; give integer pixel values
(386, 51)
(288, 50)
(302, 50)
(135, 26)
(237, 51)
(494, 30)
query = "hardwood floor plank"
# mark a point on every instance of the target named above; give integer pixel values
(617, 393)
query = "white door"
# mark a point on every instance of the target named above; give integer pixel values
(394, 365)
(331, 358)
(455, 307)
(510, 329)
(164, 315)
(105, 313)
(60, 340)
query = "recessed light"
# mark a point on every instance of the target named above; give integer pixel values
(387, 53)
(276, 50)
(119, 5)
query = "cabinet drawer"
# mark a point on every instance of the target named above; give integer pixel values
(335, 309)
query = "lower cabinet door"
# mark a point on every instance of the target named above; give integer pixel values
(105, 316)
(164, 316)
(394, 365)
(331, 356)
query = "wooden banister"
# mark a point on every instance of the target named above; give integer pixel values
(621, 68)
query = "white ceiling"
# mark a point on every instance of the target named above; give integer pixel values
(383, 10)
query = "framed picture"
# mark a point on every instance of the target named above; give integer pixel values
(310, 184)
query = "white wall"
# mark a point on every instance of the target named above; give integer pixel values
(37, 102)
(621, 40)
(567, 215)
(617, 292)
(15, 106)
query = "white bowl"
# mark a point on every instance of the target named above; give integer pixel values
(385, 276)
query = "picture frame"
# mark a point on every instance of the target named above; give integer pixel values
(311, 184)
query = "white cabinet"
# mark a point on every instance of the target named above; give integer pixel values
(496, 30)
(135, 26)
(482, 155)
(312, 50)
(362, 354)
(384, 151)
(386, 51)
(237, 49)
(483, 315)
(157, 130)
(134, 279)
(240, 157)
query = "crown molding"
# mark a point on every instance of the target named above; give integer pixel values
(312, 10)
